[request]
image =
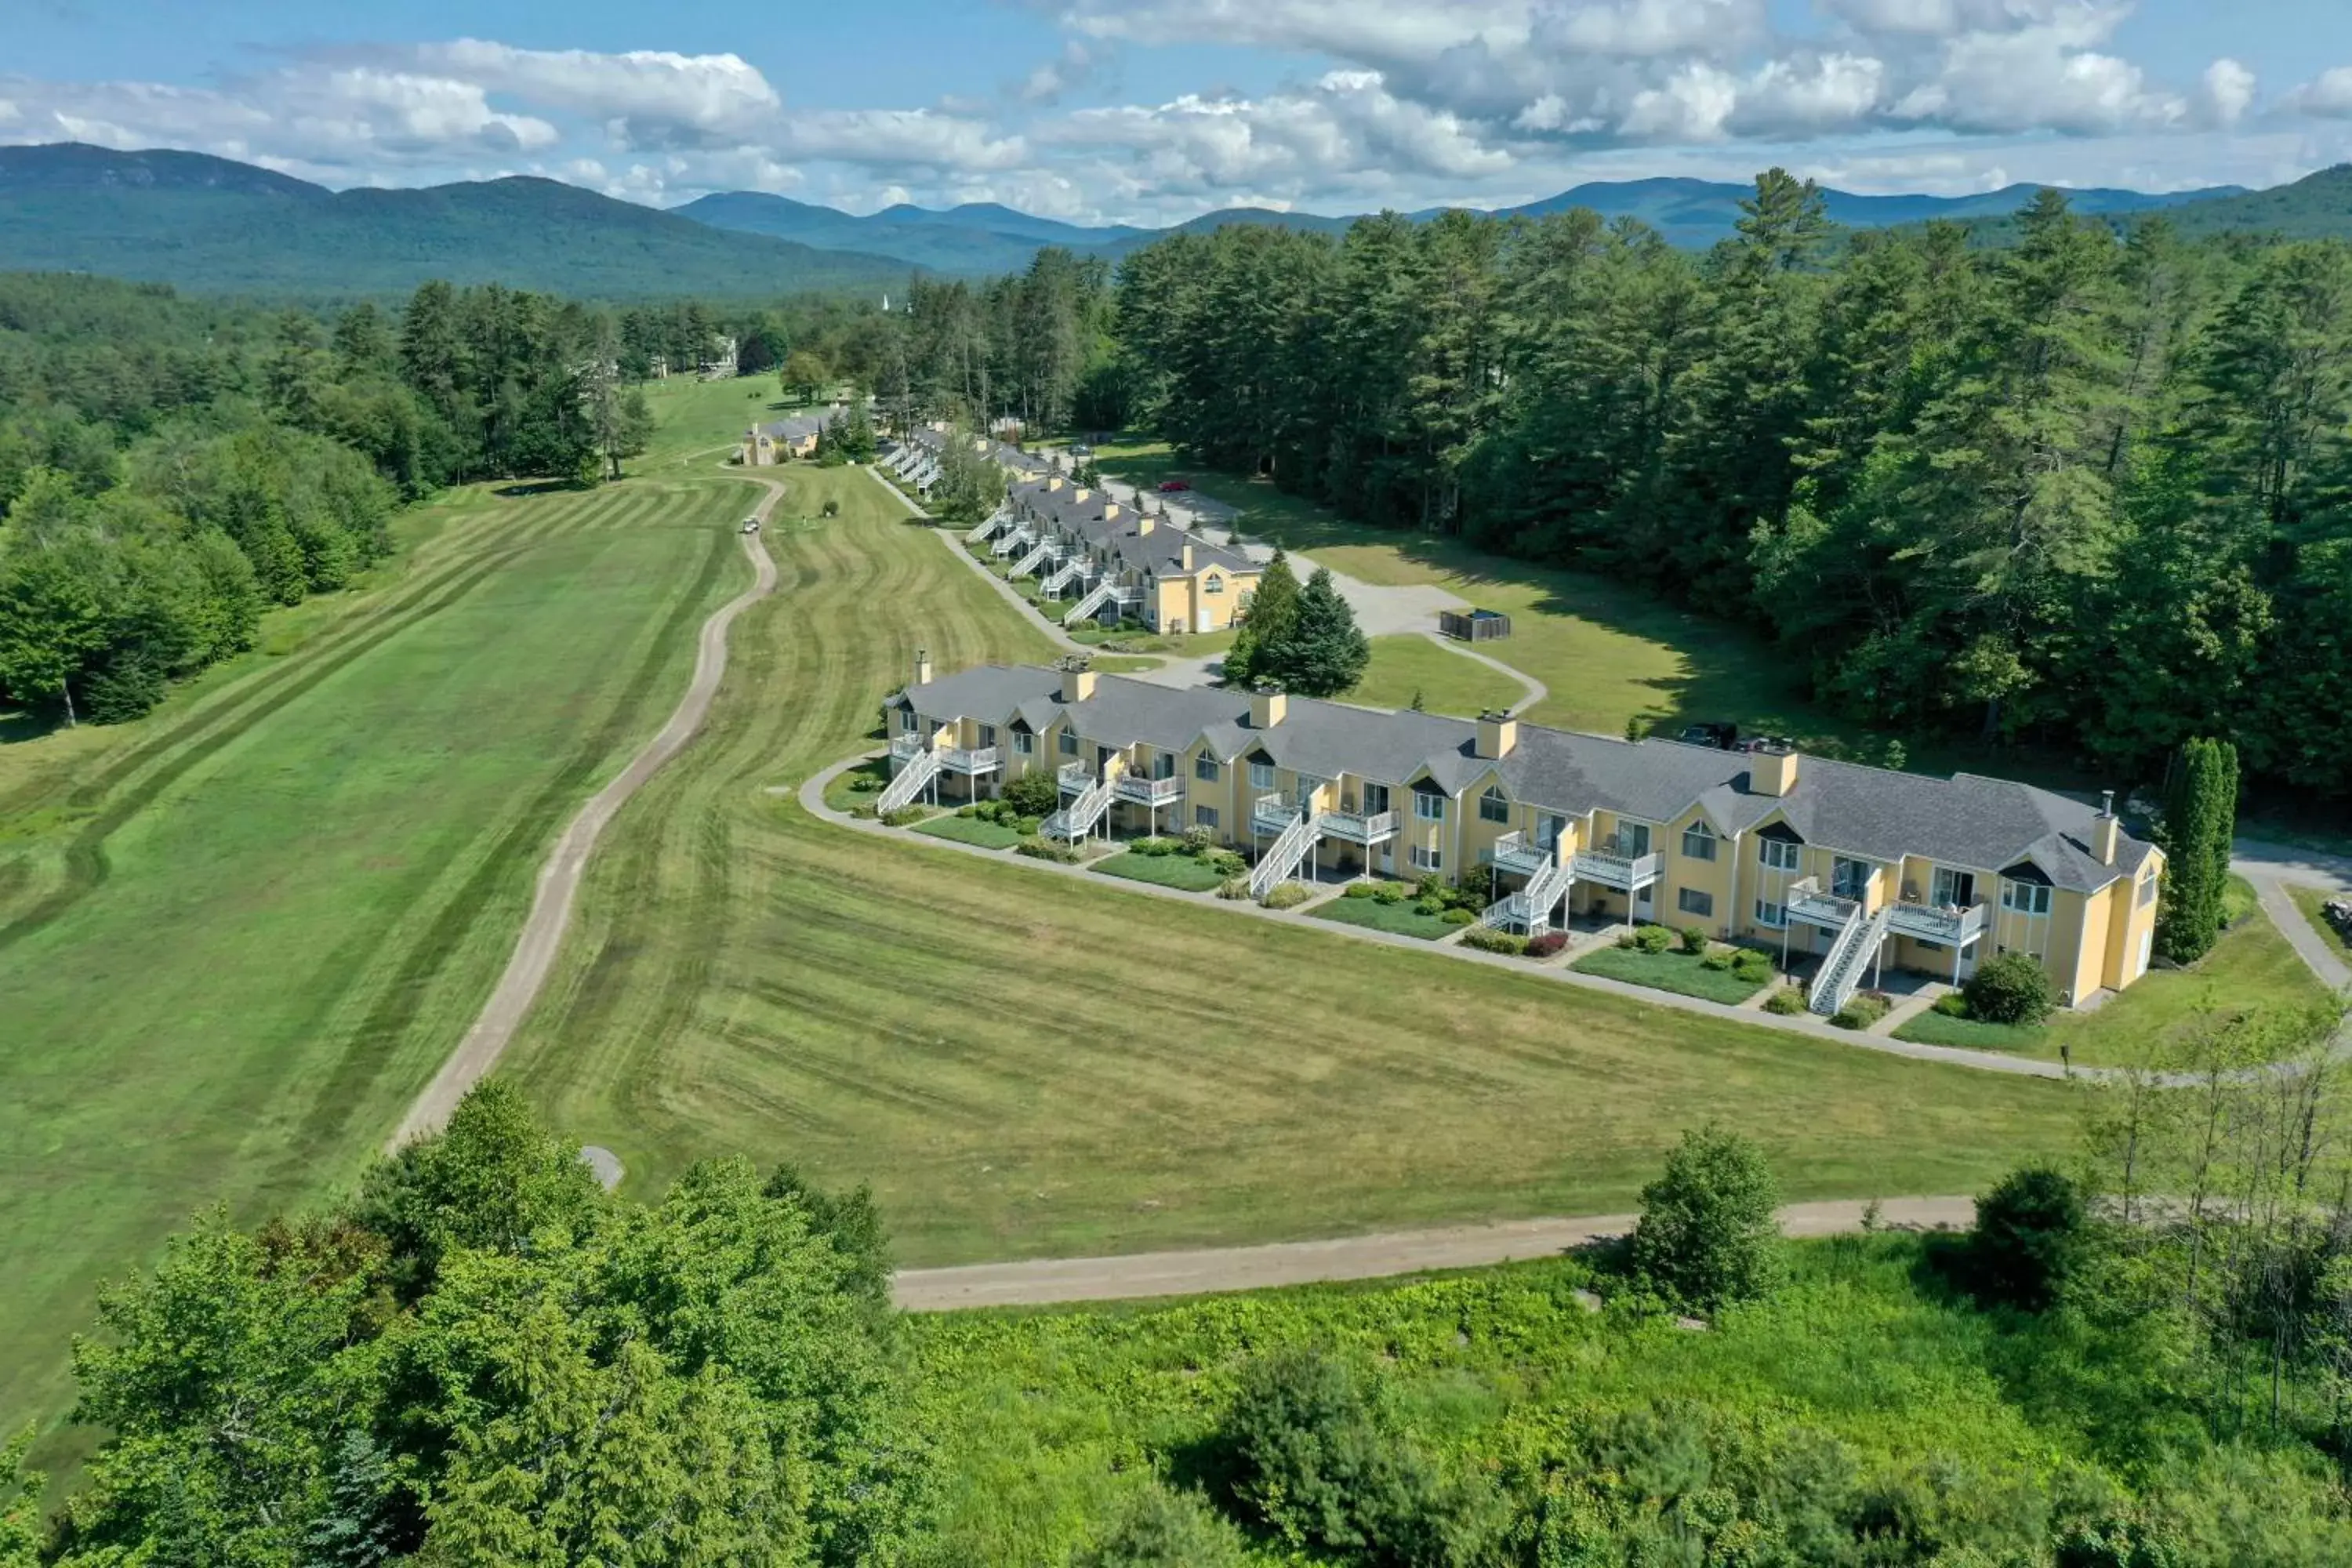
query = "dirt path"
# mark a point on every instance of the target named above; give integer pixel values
(559, 879)
(1148, 1274)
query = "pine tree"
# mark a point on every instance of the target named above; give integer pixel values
(2200, 818)
(1271, 613)
(1323, 653)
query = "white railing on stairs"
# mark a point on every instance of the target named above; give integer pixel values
(1077, 819)
(1278, 864)
(1849, 955)
(1091, 603)
(1076, 566)
(987, 527)
(921, 770)
(1530, 908)
(1029, 562)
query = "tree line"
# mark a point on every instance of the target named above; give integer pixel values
(170, 469)
(2085, 490)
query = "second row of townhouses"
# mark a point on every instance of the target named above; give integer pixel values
(1860, 866)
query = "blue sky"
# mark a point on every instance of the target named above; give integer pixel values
(1156, 109)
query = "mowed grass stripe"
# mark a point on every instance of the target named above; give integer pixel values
(313, 878)
(1025, 1064)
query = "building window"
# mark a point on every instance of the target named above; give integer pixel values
(1262, 776)
(2025, 898)
(907, 721)
(1698, 842)
(1427, 859)
(1769, 913)
(1204, 817)
(1494, 807)
(1023, 743)
(1206, 769)
(1778, 855)
(1212, 584)
(2147, 887)
(1691, 902)
(987, 736)
(1428, 806)
(1069, 745)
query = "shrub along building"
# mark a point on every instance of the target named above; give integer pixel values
(1111, 561)
(1863, 867)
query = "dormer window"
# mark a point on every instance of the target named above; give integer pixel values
(1494, 806)
(2025, 898)
(1698, 842)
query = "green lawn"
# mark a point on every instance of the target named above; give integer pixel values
(1676, 972)
(236, 937)
(972, 830)
(2311, 901)
(1023, 1070)
(1185, 871)
(1404, 668)
(693, 419)
(1403, 918)
(860, 785)
(1934, 1029)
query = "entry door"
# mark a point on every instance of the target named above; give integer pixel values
(1632, 839)
(1850, 879)
(1954, 889)
(1547, 831)
(1376, 799)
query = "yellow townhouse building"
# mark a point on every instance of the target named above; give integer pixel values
(1110, 561)
(1865, 868)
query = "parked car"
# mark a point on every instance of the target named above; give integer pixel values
(751, 526)
(1173, 486)
(1722, 737)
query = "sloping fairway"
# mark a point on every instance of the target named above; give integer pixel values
(1026, 1065)
(235, 938)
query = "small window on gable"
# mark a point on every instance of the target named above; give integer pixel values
(2147, 887)
(1213, 583)
(1428, 804)
(1698, 842)
(1494, 806)
(1069, 743)
(1205, 768)
(2025, 898)
(1778, 854)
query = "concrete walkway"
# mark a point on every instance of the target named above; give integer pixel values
(559, 880)
(2272, 870)
(1150, 1274)
(812, 799)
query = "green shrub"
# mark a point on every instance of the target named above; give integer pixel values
(1653, 939)
(864, 784)
(1155, 847)
(1228, 863)
(1487, 939)
(2010, 988)
(1033, 793)
(1199, 841)
(1234, 888)
(1458, 918)
(1693, 941)
(1708, 1235)
(1288, 895)
(968, 811)
(1787, 1002)
(1862, 1012)
(1389, 893)
(1164, 1529)
(905, 815)
(1749, 964)
(1047, 849)
(2028, 1239)
(1431, 907)
(1362, 890)
(1720, 962)
(1951, 1004)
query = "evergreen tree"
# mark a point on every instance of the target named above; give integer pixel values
(1322, 652)
(1707, 1234)
(1272, 612)
(2200, 818)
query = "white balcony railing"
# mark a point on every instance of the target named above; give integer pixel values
(973, 759)
(1376, 827)
(905, 746)
(1627, 874)
(1077, 778)
(1952, 928)
(1150, 792)
(1272, 812)
(1808, 903)
(1514, 855)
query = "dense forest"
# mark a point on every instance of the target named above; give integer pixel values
(170, 469)
(2085, 490)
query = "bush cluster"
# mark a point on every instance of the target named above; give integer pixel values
(1551, 945)
(1485, 939)
(1047, 849)
(1694, 942)
(1287, 895)
(905, 815)
(2010, 988)
(1788, 1002)
(1866, 1008)
(1033, 793)
(1647, 939)
(1003, 813)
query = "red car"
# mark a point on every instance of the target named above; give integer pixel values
(1172, 487)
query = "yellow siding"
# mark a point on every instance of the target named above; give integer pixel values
(2085, 921)
(1682, 871)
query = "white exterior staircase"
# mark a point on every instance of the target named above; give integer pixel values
(1033, 559)
(1077, 819)
(1531, 909)
(921, 768)
(1075, 566)
(1095, 601)
(988, 527)
(1849, 956)
(1278, 864)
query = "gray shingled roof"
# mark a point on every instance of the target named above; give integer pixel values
(1966, 820)
(798, 427)
(1158, 554)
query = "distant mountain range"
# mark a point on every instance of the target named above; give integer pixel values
(211, 224)
(214, 225)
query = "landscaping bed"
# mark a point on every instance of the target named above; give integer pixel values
(1188, 872)
(1403, 915)
(1685, 975)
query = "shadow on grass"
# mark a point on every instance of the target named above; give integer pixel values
(529, 488)
(21, 724)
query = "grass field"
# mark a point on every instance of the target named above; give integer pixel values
(236, 938)
(1026, 1067)
(1407, 668)
(1676, 972)
(972, 830)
